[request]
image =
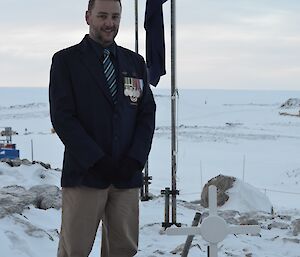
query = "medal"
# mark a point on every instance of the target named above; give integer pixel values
(133, 88)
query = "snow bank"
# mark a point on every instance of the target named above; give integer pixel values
(246, 198)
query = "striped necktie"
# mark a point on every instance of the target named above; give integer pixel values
(110, 75)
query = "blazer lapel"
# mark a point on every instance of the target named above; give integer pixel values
(94, 65)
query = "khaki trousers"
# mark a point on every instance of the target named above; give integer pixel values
(82, 210)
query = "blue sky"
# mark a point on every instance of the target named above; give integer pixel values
(221, 44)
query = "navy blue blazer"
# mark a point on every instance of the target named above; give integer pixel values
(87, 121)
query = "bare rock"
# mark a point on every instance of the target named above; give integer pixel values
(12, 163)
(44, 165)
(14, 199)
(285, 217)
(230, 216)
(291, 240)
(246, 221)
(296, 227)
(26, 162)
(280, 225)
(16, 162)
(291, 103)
(223, 183)
(47, 196)
(178, 249)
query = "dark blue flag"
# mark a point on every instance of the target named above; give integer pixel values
(155, 40)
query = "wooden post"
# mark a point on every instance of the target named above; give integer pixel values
(190, 238)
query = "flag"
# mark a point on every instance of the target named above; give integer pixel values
(155, 40)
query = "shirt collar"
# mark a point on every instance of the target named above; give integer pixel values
(99, 48)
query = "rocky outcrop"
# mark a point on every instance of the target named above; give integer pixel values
(14, 199)
(19, 162)
(46, 196)
(223, 183)
(291, 103)
(235, 194)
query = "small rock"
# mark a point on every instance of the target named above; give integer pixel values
(45, 165)
(248, 221)
(292, 240)
(280, 225)
(159, 252)
(26, 162)
(296, 227)
(178, 249)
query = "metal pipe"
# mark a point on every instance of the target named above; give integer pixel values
(147, 180)
(173, 108)
(167, 207)
(31, 150)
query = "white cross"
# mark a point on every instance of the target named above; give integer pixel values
(214, 229)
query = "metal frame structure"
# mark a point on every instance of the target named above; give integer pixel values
(144, 192)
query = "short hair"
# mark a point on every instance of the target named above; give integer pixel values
(92, 3)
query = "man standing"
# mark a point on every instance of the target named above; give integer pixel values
(103, 110)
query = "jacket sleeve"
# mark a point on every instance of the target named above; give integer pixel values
(64, 118)
(145, 124)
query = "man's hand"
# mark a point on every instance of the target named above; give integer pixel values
(127, 168)
(105, 168)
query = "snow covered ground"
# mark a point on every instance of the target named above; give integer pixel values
(235, 133)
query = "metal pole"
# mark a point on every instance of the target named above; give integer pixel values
(244, 163)
(201, 177)
(136, 26)
(31, 150)
(147, 181)
(173, 108)
(145, 187)
(142, 192)
(166, 192)
(167, 207)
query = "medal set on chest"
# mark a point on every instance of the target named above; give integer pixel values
(133, 88)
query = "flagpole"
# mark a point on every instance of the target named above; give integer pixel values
(136, 26)
(144, 191)
(173, 109)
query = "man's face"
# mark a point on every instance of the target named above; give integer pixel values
(104, 21)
